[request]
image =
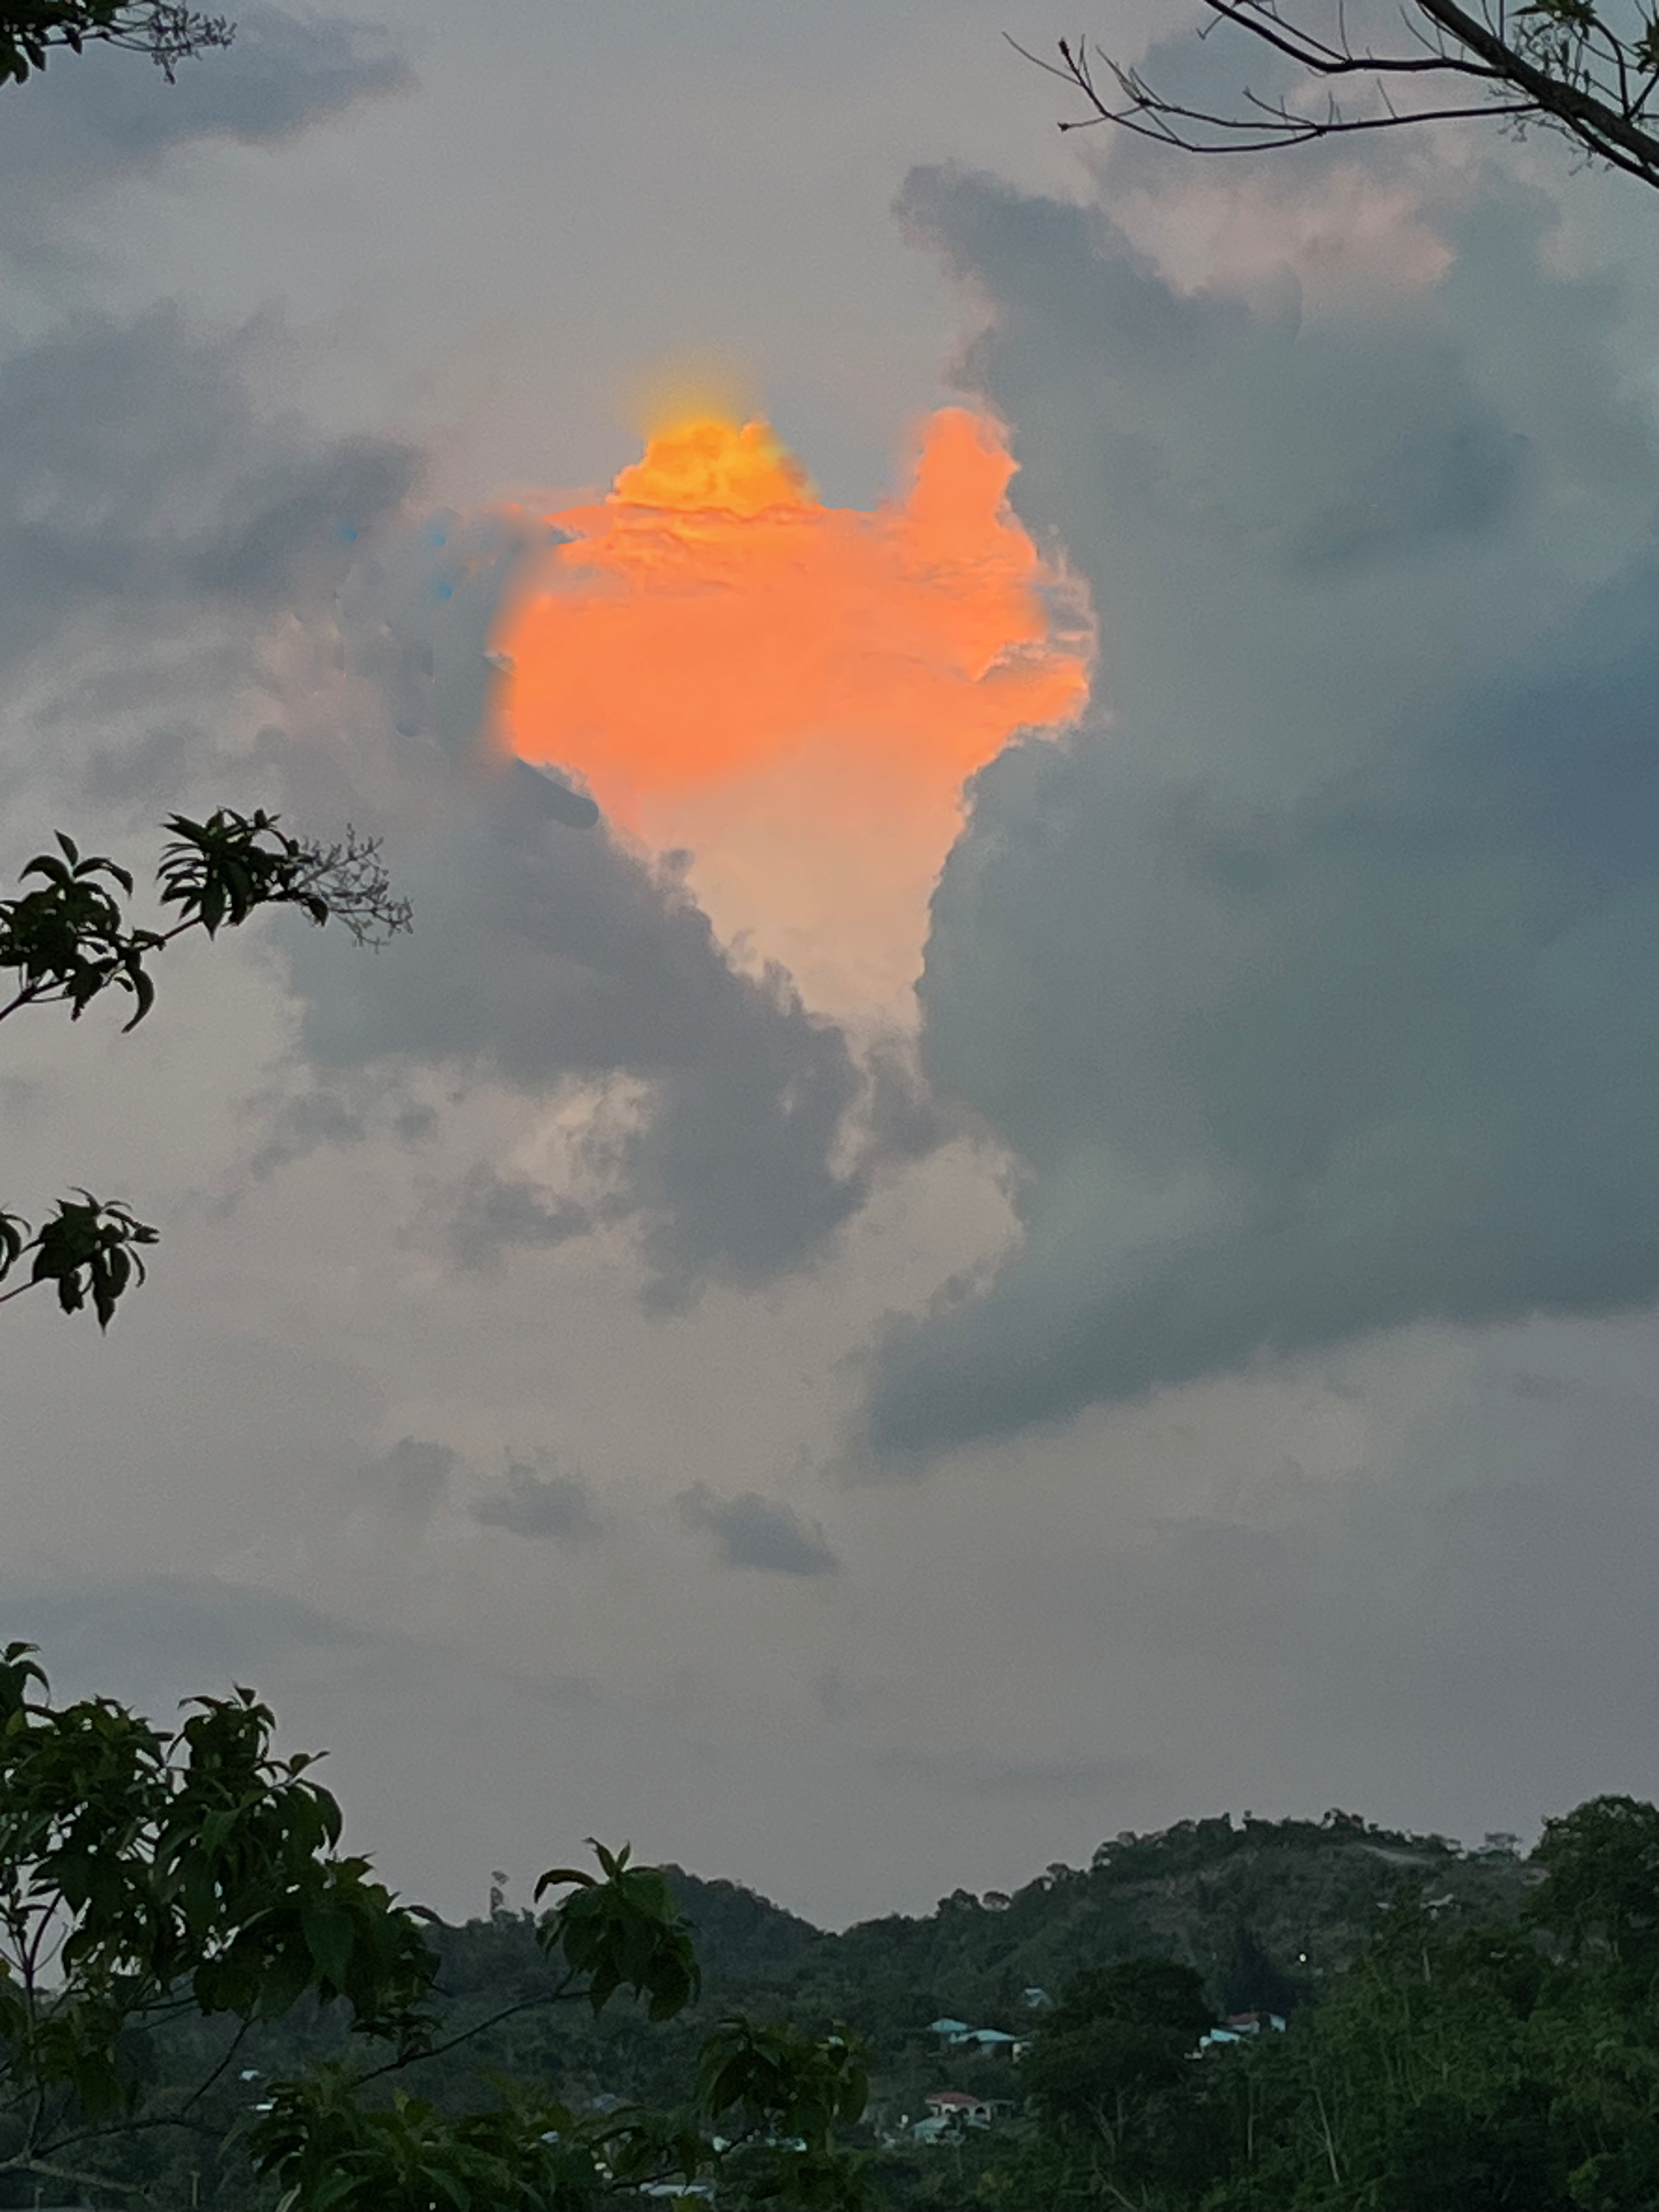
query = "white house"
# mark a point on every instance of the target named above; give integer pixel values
(957, 2108)
(1238, 2027)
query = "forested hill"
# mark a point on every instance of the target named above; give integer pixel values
(1262, 1909)
(1268, 1916)
(741, 1937)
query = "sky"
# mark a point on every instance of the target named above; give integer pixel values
(1051, 1223)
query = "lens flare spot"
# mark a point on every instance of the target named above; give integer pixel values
(794, 693)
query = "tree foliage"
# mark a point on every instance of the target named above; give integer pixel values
(1111, 2075)
(1457, 2062)
(1492, 2041)
(69, 938)
(168, 34)
(153, 1880)
(144, 1874)
(1588, 71)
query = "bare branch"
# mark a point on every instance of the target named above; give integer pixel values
(351, 880)
(1563, 69)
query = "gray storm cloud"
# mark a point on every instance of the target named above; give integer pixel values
(544, 956)
(762, 1533)
(90, 118)
(559, 1506)
(1314, 988)
(548, 955)
(173, 553)
(137, 478)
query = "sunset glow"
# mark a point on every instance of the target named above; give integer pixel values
(794, 693)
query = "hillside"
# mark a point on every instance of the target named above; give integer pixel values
(1261, 1909)
(1266, 1912)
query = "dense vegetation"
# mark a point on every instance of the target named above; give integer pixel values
(1465, 2030)
(203, 1998)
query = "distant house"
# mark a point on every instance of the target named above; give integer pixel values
(1238, 2027)
(1035, 2000)
(957, 2109)
(957, 2035)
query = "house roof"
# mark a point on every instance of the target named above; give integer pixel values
(947, 2027)
(955, 2100)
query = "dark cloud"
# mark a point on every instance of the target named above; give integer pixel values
(543, 954)
(145, 499)
(88, 120)
(903, 1118)
(752, 1531)
(180, 1628)
(411, 1480)
(1453, 476)
(302, 1122)
(162, 761)
(138, 477)
(559, 1505)
(500, 1214)
(1312, 992)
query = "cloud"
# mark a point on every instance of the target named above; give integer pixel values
(545, 956)
(1310, 987)
(499, 1214)
(791, 692)
(411, 1480)
(549, 958)
(89, 120)
(170, 556)
(558, 1505)
(157, 1626)
(300, 1123)
(752, 1531)
(138, 479)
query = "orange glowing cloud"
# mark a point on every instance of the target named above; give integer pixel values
(794, 692)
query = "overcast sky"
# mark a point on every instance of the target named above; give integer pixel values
(1198, 1354)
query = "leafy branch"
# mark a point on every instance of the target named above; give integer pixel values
(618, 1930)
(168, 34)
(69, 938)
(88, 1249)
(145, 1875)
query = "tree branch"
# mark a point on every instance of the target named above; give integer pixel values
(562, 1993)
(1567, 72)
